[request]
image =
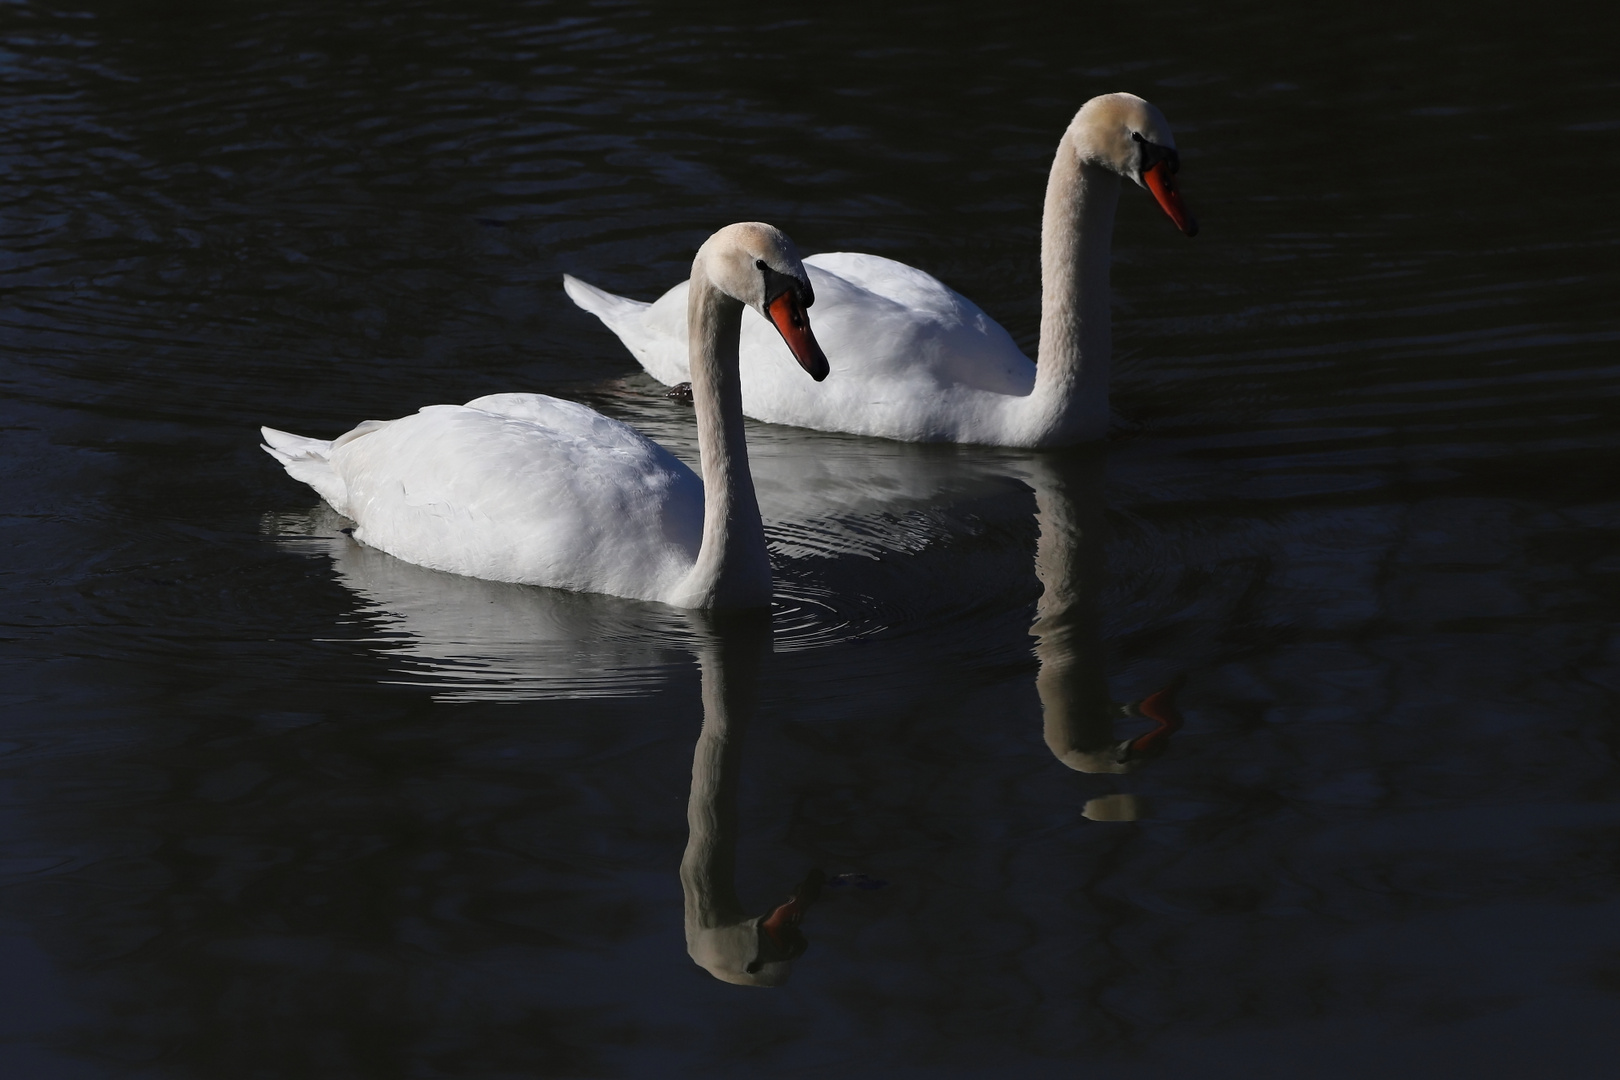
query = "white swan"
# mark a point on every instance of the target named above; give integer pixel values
(915, 360)
(532, 489)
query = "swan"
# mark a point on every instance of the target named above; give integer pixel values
(917, 361)
(532, 489)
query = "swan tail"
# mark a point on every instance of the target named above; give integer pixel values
(619, 313)
(308, 460)
(658, 348)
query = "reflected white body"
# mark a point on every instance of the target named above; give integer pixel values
(470, 640)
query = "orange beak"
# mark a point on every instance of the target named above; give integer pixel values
(790, 320)
(1162, 182)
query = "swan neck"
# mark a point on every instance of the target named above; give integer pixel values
(1070, 399)
(733, 567)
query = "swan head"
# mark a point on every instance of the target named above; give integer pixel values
(758, 265)
(1127, 135)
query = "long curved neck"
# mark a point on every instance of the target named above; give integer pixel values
(733, 568)
(1070, 400)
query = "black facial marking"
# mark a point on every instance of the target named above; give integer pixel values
(777, 283)
(1151, 153)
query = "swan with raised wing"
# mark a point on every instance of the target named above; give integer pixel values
(919, 362)
(532, 489)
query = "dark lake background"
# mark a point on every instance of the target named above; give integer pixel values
(272, 805)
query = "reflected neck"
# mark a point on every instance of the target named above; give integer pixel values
(1072, 681)
(708, 880)
(1070, 400)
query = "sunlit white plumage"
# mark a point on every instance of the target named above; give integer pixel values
(916, 360)
(922, 362)
(513, 487)
(532, 489)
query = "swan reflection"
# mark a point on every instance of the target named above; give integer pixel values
(845, 492)
(468, 639)
(721, 936)
(1077, 715)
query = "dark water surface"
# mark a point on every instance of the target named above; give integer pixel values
(276, 805)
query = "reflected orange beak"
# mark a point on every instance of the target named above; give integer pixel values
(1162, 182)
(784, 917)
(790, 320)
(1161, 709)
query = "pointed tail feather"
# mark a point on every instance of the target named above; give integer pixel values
(654, 333)
(308, 460)
(611, 309)
(286, 447)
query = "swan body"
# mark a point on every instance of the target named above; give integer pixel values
(920, 362)
(513, 487)
(931, 367)
(532, 489)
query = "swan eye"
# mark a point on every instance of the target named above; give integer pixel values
(761, 264)
(1137, 137)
